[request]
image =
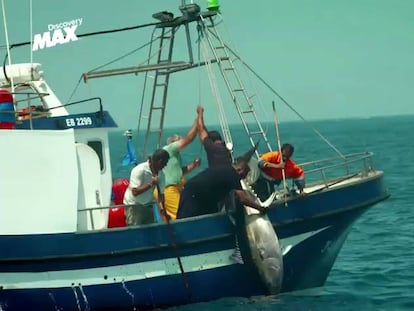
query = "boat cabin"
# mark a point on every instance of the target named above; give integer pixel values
(62, 159)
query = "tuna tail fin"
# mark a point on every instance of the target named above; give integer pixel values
(249, 153)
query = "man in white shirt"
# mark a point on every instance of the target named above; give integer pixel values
(145, 177)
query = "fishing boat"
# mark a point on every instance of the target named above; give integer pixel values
(57, 250)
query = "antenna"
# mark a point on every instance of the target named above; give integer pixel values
(31, 33)
(7, 43)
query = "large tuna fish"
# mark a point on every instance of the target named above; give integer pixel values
(264, 246)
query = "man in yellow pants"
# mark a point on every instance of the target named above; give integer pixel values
(174, 171)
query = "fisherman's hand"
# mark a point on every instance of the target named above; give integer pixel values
(197, 162)
(200, 109)
(165, 215)
(154, 180)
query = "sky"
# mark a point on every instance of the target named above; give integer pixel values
(328, 59)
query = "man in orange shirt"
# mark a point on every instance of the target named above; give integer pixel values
(272, 163)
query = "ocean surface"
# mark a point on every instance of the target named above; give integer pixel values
(375, 268)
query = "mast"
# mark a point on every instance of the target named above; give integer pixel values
(7, 45)
(165, 65)
(165, 31)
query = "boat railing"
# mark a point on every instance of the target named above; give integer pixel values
(30, 105)
(98, 99)
(29, 97)
(320, 172)
(32, 112)
(90, 212)
(30, 109)
(329, 169)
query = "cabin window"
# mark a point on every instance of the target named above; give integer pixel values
(97, 146)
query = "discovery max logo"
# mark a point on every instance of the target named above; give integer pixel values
(59, 33)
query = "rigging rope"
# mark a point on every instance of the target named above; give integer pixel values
(7, 47)
(198, 41)
(74, 90)
(95, 33)
(213, 84)
(125, 55)
(31, 32)
(200, 36)
(173, 240)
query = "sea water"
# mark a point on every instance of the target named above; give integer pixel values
(375, 268)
